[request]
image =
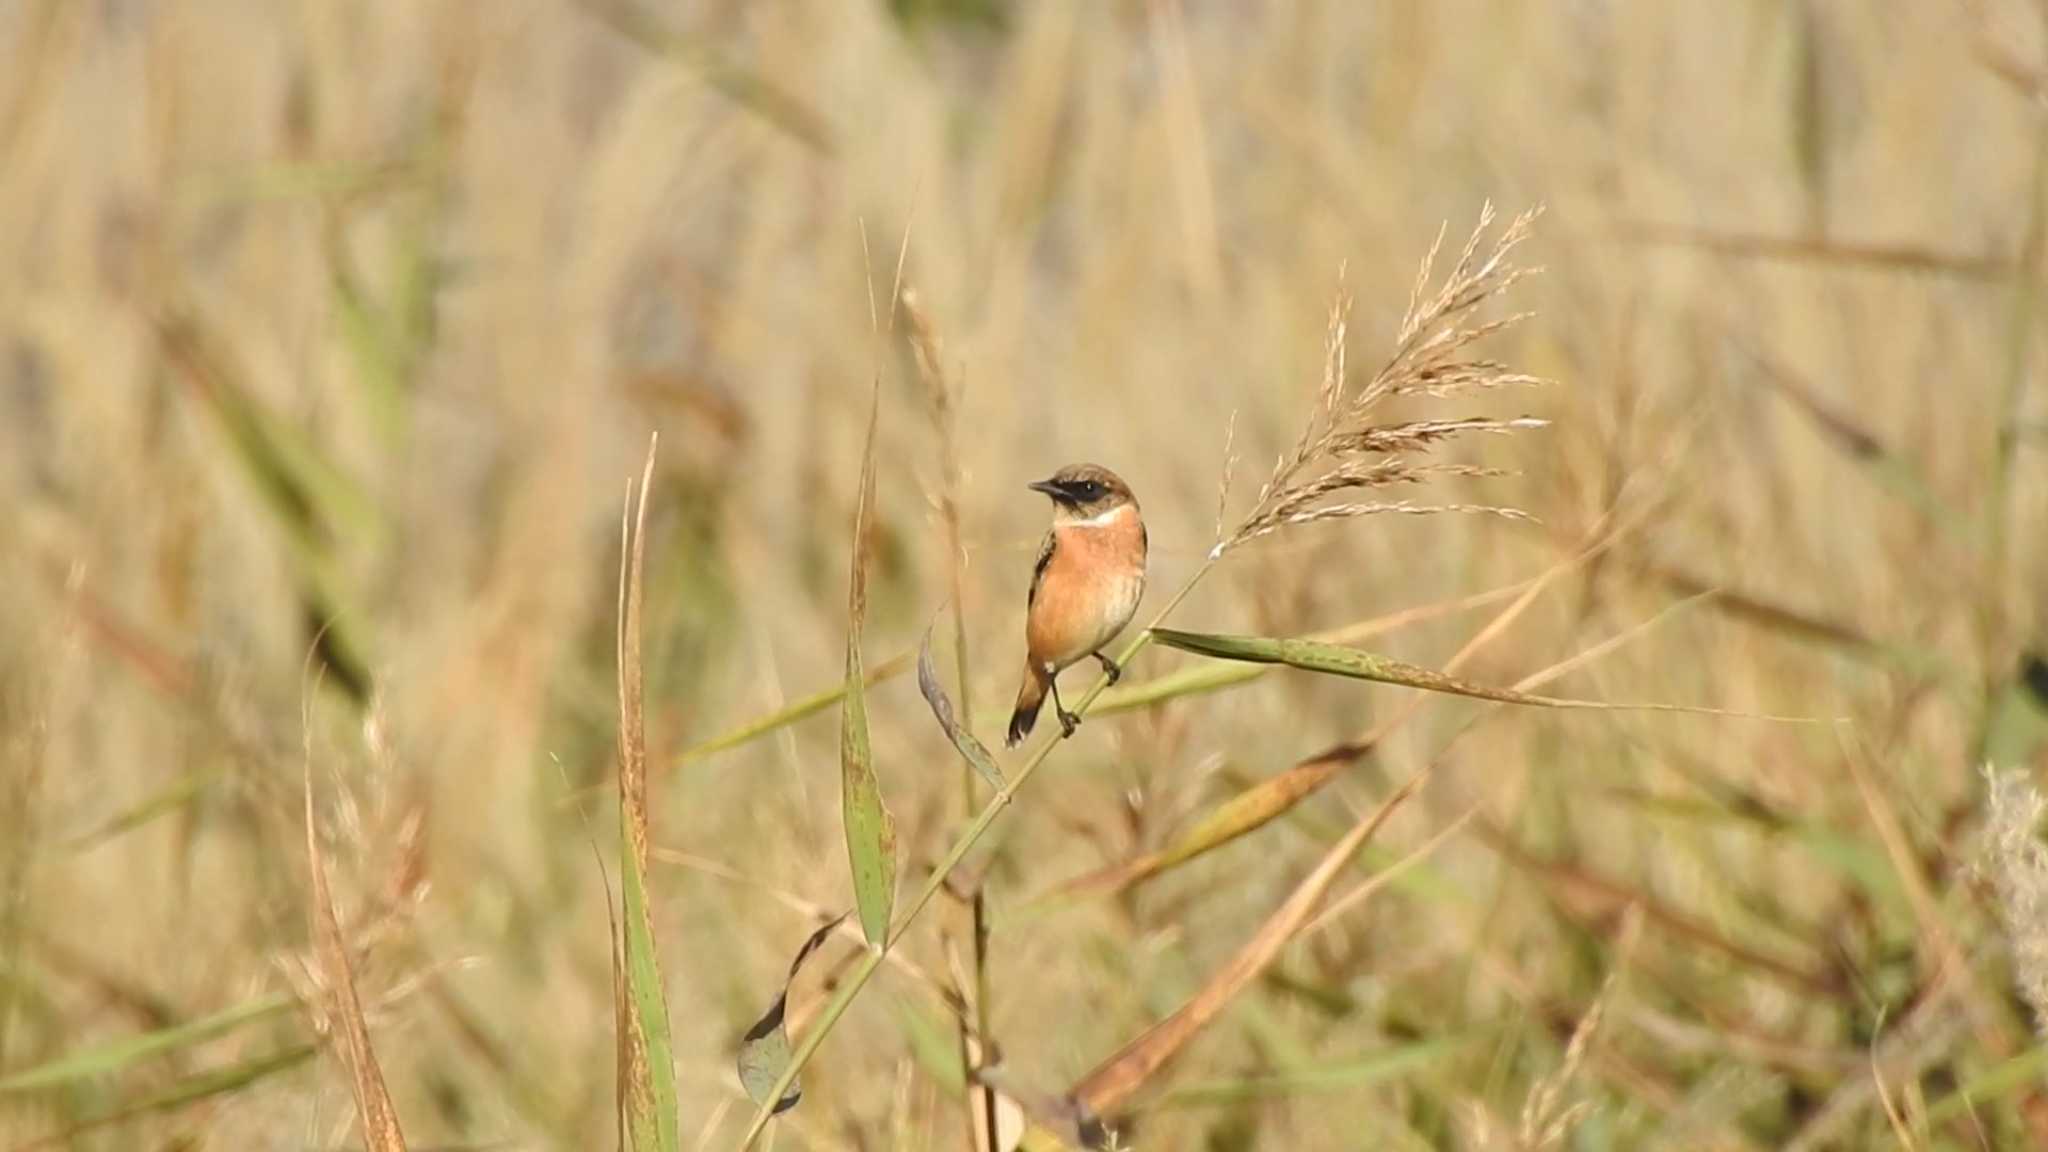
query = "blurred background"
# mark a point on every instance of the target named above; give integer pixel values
(331, 333)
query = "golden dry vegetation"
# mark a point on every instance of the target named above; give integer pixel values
(330, 338)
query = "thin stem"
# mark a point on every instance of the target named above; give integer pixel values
(858, 978)
(978, 932)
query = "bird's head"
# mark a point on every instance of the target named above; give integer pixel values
(1085, 492)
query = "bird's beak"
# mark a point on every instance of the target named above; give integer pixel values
(1046, 486)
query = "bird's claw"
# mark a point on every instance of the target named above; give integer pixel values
(1068, 722)
(1110, 668)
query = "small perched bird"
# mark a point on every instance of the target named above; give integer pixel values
(1090, 576)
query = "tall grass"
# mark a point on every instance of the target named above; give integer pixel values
(333, 330)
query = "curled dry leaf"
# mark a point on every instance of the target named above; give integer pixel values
(972, 750)
(764, 1050)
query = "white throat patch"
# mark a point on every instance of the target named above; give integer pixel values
(1100, 519)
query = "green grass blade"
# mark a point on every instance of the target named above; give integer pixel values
(1193, 680)
(191, 1090)
(1378, 1068)
(651, 1112)
(317, 504)
(933, 1046)
(802, 709)
(870, 829)
(2016, 1074)
(173, 796)
(119, 1055)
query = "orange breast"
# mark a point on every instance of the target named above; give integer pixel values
(1089, 592)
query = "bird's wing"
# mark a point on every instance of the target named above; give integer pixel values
(1045, 552)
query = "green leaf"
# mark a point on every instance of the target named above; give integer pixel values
(870, 830)
(972, 750)
(764, 1050)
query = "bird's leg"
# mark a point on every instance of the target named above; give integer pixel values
(1068, 721)
(1110, 668)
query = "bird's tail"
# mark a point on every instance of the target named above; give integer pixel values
(1029, 698)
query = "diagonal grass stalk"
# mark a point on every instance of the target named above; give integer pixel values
(857, 979)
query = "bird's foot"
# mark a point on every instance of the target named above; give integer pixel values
(1110, 668)
(1068, 722)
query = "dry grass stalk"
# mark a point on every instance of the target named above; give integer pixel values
(1884, 1093)
(342, 1008)
(1229, 472)
(1546, 1119)
(928, 351)
(1342, 449)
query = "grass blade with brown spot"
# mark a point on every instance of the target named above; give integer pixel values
(972, 750)
(1357, 664)
(373, 1102)
(764, 1050)
(1197, 679)
(647, 1076)
(870, 830)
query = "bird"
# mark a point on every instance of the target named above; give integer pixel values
(1085, 588)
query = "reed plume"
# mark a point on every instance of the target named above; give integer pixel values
(1344, 450)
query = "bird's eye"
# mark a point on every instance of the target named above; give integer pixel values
(1090, 490)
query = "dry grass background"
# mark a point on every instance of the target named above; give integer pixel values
(363, 313)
